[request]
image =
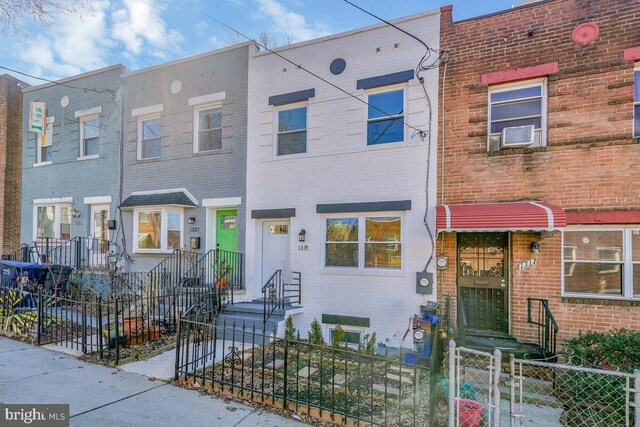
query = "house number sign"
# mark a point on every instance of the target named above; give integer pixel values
(528, 263)
(303, 247)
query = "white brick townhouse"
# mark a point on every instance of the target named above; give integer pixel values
(337, 187)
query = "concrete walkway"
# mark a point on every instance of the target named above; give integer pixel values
(101, 396)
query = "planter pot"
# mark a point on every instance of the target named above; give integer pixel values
(153, 333)
(132, 327)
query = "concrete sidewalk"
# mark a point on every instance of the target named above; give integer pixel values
(101, 396)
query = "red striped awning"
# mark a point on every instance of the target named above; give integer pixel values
(515, 216)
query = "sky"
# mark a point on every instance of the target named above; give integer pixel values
(143, 33)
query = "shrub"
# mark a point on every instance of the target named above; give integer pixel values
(368, 343)
(617, 349)
(289, 328)
(338, 336)
(315, 334)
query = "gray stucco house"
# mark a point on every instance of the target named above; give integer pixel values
(70, 172)
(184, 158)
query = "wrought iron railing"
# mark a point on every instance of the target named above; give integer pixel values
(171, 271)
(81, 253)
(43, 245)
(462, 319)
(279, 291)
(24, 254)
(539, 315)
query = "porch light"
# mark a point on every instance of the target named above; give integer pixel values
(535, 247)
(301, 235)
(75, 213)
(191, 220)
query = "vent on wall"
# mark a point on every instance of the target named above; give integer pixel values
(517, 136)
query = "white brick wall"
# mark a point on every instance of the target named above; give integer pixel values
(339, 167)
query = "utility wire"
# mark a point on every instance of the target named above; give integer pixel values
(421, 133)
(111, 92)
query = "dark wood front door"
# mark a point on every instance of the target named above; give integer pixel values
(483, 281)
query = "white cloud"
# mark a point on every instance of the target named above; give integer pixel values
(140, 21)
(290, 23)
(74, 43)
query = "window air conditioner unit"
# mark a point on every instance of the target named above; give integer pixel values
(517, 136)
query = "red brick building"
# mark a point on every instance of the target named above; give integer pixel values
(539, 106)
(10, 161)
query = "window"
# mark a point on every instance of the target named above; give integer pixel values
(636, 103)
(45, 145)
(602, 262)
(89, 136)
(514, 106)
(385, 122)
(363, 242)
(53, 221)
(149, 138)
(351, 338)
(157, 229)
(292, 131)
(208, 128)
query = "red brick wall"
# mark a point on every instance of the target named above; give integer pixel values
(591, 160)
(10, 161)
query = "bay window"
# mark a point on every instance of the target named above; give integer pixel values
(602, 262)
(157, 229)
(369, 242)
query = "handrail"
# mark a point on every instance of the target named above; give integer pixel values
(276, 293)
(547, 327)
(81, 253)
(169, 273)
(462, 319)
(22, 254)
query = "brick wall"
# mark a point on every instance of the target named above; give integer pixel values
(590, 161)
(10, 161)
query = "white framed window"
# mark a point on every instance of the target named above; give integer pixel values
(363, 242)
(207, 128)
(513, 109)
(149, 137)
(636, 101)
(44, 144)
(157, 229)
(601, 262)
(52, 220)
(89, 136)
(385, 115)
(291, 137)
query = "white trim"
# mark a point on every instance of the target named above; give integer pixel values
(543, 83)
(97, 200)
(206, 99)
(196, 126)
(92, 218)
(82, 121)
(404, 87)
(52, 201)
(164, 228)
(51, 119)
(57, 205)
(140, 133)
(222, 202)
(166, 191)
(88, 112)
(550, 220)
(151, 109)
(276, 123)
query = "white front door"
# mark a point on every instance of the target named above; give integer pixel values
(275, 248)
(99, 231)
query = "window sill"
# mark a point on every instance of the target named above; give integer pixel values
(94, 156)
(149, 160)
(152, 251)
(37, 165)
(516, 151)
(618, 301)
(362, 272)
(213, 152)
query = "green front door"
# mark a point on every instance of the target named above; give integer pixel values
(227, 230)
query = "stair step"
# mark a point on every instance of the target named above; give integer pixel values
(253, 308)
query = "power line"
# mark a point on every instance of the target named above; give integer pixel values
(421, 133)
(111, 92)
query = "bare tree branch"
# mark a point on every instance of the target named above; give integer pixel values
(12, 12)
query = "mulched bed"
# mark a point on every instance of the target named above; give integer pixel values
(133, 353)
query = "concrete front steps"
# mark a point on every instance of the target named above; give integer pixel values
(247, 317)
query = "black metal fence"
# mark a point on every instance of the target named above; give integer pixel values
(280, 290)
(336, 384)
(87, 323)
